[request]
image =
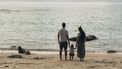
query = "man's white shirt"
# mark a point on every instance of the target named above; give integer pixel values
(63, 33)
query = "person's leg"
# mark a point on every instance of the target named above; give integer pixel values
(69, 57)
(65, 49)
(65, 54)
(80, 59)
(72, 57)
(60, 52)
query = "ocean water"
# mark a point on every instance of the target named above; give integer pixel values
(35, 25)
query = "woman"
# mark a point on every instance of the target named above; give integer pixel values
(80, 43)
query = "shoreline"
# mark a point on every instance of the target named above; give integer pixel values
(52, 52)
(14, 49)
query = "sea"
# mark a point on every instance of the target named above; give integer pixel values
(35, 25)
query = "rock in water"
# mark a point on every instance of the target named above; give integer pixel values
(91, 37)
(13, 47)
(111, 51)
(88, 38)
(73, 39)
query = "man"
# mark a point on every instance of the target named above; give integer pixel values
(63, 38)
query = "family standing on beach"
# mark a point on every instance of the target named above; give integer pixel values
(63, 40)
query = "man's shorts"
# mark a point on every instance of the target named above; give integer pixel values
(63, 45)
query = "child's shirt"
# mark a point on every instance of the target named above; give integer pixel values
(72, 50)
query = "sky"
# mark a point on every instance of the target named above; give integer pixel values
(56, 2)
(68, 0)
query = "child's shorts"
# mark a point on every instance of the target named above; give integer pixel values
(71, 54)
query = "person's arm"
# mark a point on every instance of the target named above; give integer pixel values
(68, 37)
(77, 40)
(84, 36)
(75, 47)
(58, 37)
(69, 45)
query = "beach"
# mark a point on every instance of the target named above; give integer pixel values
(51, 61)
(34, 26)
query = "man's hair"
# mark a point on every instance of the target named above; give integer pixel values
(63, 25)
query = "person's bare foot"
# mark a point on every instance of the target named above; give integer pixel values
(60, 59)
(65, 59)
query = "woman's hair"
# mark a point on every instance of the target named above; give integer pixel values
(80, 29)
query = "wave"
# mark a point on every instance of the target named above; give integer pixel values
(8, 10)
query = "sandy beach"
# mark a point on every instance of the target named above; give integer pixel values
(51, 61)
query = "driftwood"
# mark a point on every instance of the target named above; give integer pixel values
(88, 38)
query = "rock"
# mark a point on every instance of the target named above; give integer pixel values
(23, 51)
(73, 39)
(28, 53)
(6, 66)
(13, 47)
(88, 38)
(91, 67)
(37, 58)
(111, 51)
(91, 37)
(15, 56)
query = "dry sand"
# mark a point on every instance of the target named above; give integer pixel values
(51, 61)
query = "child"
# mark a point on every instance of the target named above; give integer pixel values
(71, 53)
